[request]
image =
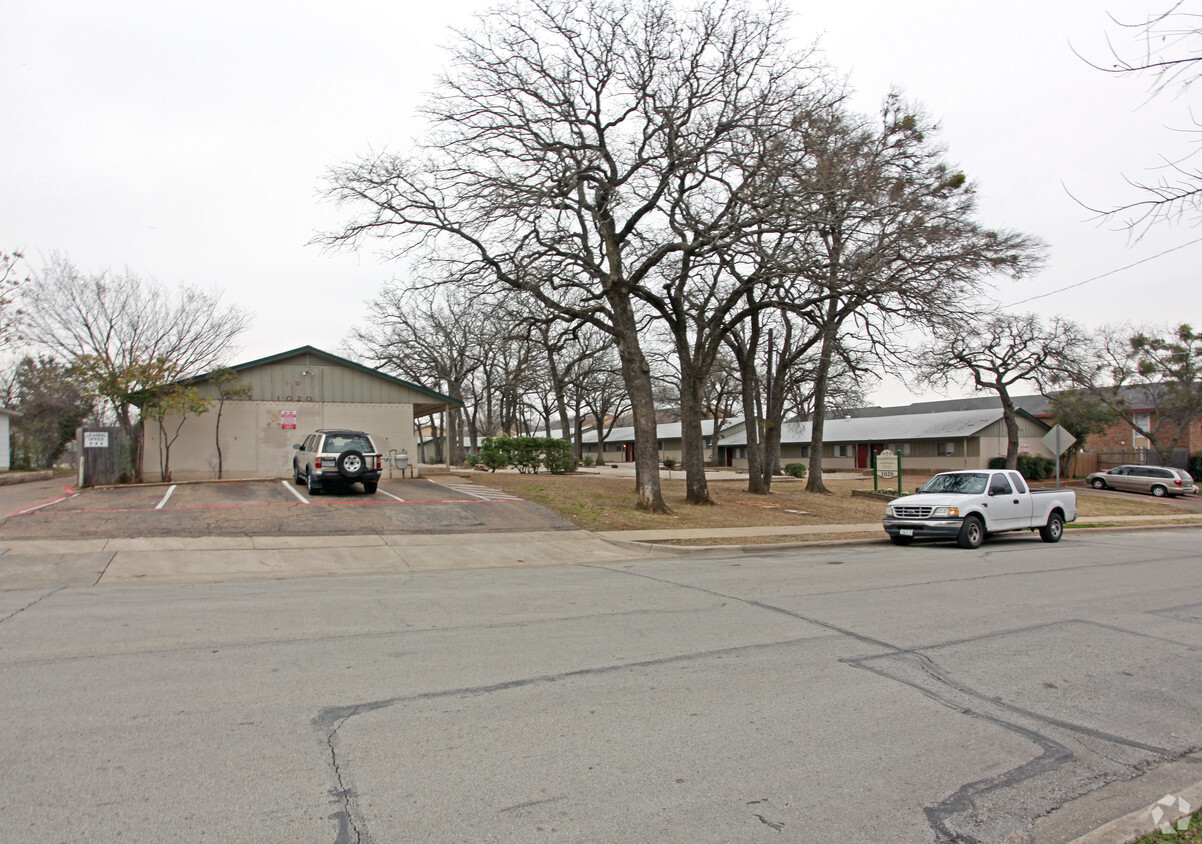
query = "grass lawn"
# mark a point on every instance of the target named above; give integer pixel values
(605, 503)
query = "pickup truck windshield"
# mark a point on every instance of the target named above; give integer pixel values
(965, 484)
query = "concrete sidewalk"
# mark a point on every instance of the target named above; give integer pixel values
(36, 564)
(56, 563)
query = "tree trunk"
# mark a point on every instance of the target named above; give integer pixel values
(814, 482)
(691, 440)
(217, 434)
(751, 425)
(636, 374)
(1011, 421)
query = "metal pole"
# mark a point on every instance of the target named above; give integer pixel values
(1058, 453)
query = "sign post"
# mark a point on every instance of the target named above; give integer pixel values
(1058, 441)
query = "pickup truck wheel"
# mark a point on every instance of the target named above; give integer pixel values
(370, 487)
(972, 533)
(1098, 483)
(901, 540)
(1159, 491)
(1053, 530)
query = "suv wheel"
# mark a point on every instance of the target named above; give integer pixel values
(313, 490)
(297, 478)
(351, 464)
(370, 487)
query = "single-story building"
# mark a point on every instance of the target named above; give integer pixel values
(6, 438)
(618, 444)
(1119, 443)
(289, 395)
(960, 439)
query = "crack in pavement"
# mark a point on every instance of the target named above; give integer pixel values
(331, 719)
(349, 830)
(1053, 754)
(32, 603)
(933, 681)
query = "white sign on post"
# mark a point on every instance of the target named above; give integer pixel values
(95, 439)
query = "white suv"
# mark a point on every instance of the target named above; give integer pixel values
(337, 458)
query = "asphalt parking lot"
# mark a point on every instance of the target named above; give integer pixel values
(270, 508)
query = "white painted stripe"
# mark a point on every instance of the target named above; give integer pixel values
(289, 487)
(46, 504)
(482, 492)
(390, 495)
(170, 490)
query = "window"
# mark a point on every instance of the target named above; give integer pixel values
(999, 485)
(945, 449)
(900, 449)
(1018, 481)
(1143, 421)
(843, 451)
(805, 451)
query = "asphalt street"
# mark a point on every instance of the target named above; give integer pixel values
(846, 693)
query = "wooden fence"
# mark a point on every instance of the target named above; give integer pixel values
(106, 456)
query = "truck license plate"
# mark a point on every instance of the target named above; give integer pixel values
(906, 531)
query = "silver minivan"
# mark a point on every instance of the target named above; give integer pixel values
(1157, 480)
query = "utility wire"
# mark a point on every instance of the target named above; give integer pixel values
(1103, 275)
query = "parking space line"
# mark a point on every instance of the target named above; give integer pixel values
(44, 504)
(390, 495)
(170, 490)
(292, 490)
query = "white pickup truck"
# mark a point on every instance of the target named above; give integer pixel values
(969, 506)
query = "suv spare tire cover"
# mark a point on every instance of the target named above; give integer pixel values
(351, 464)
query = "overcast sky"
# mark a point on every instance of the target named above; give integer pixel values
(188, 141)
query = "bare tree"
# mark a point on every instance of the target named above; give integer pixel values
(891, 236)
(128, 335)
(563, 136)
(11, 281)
(436, 338)
(995, 354)
(1167, 51)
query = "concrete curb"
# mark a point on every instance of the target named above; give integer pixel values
(1138, 824)
(10, 478)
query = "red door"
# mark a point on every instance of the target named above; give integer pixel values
(862, 456)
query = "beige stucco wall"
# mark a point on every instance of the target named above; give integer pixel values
(5, 455)
(255, 445)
